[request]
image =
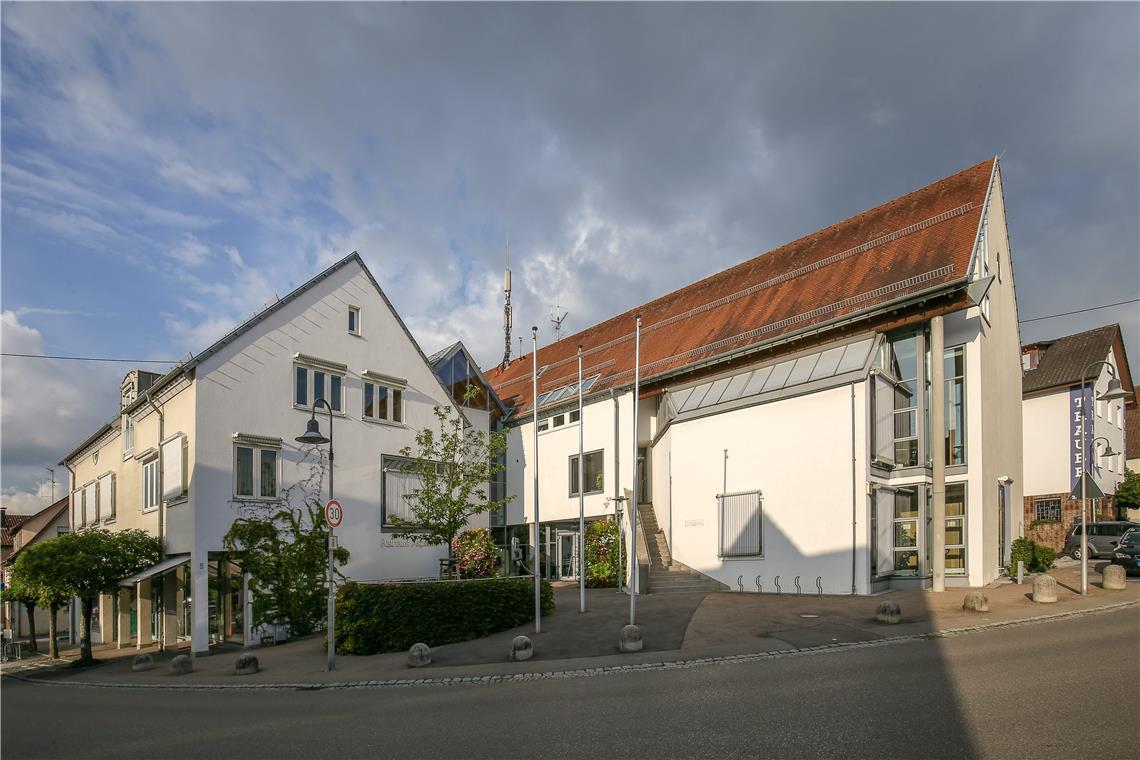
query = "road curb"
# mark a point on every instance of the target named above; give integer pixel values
(683, 664)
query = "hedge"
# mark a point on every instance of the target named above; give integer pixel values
(390, 617)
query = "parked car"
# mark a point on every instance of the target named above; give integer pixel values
(1128, 552)
(1103, 538)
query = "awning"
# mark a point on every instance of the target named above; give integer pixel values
(169, 563)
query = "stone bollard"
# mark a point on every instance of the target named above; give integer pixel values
(1113, 578)
(521, 649)
(181, 665)
(419, 655)
(630, 639)
(976, 601)
(1044, 589)
(142, 662)
(246, 664)
(889, 613)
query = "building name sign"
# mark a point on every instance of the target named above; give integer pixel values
(694, 523)
(1079, 404)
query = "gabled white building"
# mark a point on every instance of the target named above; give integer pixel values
(193, 449)
(1055, 371)
(788, 429)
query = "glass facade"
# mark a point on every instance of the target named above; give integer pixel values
(955, 528)
(226, 600)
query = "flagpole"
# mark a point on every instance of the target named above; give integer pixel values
(537, 574)
(635, 586)
(581, 495)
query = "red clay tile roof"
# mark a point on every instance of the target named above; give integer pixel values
(914, 243)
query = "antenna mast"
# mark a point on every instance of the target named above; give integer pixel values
(507, 309)
(557, 320)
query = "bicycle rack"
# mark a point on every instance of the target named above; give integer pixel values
(777, 582)
(819, 585)
(798, 590)
(740, 582)
(759, 588)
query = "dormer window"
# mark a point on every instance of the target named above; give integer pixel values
(354, 320)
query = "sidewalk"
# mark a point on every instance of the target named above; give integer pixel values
(674, 627)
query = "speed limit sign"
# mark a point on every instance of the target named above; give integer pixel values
(333, 513)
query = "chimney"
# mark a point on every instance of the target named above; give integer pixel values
(1030, 358)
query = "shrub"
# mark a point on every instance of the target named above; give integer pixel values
(1038, 558)
(602, 567)
(475, 553)
(390, 617)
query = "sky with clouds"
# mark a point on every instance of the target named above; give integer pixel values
(169, 168)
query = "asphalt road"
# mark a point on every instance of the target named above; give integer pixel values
(1060, 689)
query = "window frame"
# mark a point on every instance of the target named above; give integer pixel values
(948, 384)
(964, 519)
(386, 461)
(128, 437)
(393, 401)
(310, 386)
(256, 452)
(153, 488)
(354, 316)
(591, 489)
(1038, 503)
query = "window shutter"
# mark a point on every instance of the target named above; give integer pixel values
(172, 476)
(884, 530)
(883, 408)
(76, 509)
(740, 524)
(91, 506)
(397, 487)
(107, 496)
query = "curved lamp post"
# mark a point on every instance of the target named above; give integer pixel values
(1111, 393)
(313, 436)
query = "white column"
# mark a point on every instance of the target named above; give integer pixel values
(938, 454)
(199, 604)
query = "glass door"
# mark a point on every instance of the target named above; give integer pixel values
(906, 548)
(567, 555)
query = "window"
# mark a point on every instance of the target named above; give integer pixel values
(106, 492)
(574, 416)
(397, 490)
(76, 509)
(558, 420)
(955, 528)
(354, 320)
(741, 524)
(150, 485)
(128, 435)
(174, 468)
(594, 475)
(543, 425)
(255, 472)
(954, 364)
(383, 403)
(310, 384)
(906, 531)
(1047, 510)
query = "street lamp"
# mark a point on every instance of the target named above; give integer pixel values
(313, 437)
(1111, 393)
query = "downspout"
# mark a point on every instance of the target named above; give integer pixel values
(854, 498)
(161, 508)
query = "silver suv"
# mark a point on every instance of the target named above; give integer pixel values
(1103, 538)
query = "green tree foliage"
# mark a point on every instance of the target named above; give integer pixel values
(602, 566)
(21, 593)
(91, 563)
(455, 466)
(1128, 492)
(285, 551)
(36, 569)
(475, 553)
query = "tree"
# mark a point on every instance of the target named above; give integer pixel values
(92, 562)
(36, 567)
(286, 554)
(18, 592)
(1128, 492)
(454, 467)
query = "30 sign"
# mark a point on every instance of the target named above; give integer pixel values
(334, 513)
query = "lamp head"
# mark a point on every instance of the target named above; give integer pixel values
(312, 433)
(1108, 452)
(1113, 391)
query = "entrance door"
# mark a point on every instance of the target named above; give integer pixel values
(567, 555)
(643, 476)
(1003, 529)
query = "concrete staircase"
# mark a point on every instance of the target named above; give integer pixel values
(666, 575)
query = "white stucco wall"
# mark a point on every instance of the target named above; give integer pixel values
(798, 452)
(1045, 426)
